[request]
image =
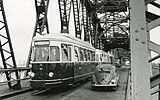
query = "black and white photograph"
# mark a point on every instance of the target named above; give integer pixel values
(79, 49)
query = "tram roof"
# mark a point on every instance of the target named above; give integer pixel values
(100, 51)
(63, 37)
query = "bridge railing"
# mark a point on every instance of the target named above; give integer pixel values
(23, 75)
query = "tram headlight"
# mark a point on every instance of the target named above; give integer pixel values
(31, 74)
(51, 74)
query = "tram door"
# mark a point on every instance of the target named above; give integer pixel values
(71, 65)
(67, 66)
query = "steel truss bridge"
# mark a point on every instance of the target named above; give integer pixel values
(107, 24)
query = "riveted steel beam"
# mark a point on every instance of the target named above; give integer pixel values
(140, 70)
(41, 26)
(154, 47)
(148, 1)
(154, 24)
(64, 9)
(155, 80)
(76, 12)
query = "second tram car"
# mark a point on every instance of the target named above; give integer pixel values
(59, 60)
(103, 57)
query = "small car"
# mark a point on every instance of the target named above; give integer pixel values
(105, 76)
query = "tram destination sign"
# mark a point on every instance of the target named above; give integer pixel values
(111, 6)
(114, 8)
(44, 42)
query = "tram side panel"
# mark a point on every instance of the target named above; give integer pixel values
(83, 70)
(83, 66)
(67, 73)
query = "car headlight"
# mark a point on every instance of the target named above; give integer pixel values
(51, 74)
(113, 81)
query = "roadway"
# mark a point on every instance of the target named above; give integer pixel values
(80, 92)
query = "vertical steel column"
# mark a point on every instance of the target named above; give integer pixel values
(42, 23)
(93, 34)
(64, 9)
(41, 26)
(96, 36)
(86, 12)
(86, 27)
(90, 28)
(95, 29)
(140, 71)
(76, 19)
(83, 12)
(6, 49)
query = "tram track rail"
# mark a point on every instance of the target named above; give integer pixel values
(36, 92)
(56, 93)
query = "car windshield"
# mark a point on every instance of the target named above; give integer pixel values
(45, 53)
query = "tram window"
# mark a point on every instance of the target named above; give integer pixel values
(93, 56)
(54, 53)
(32, 55)
(85, 55)
(41, 53)
(76, 54)
(69, 53)
(88, 54)
(97, 57)
(81, 54)
(64, 49)
(100, 57)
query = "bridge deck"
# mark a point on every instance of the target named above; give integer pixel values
(82, 92)
(5, 92)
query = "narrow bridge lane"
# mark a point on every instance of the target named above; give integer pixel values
(87, 93)
(81, 92)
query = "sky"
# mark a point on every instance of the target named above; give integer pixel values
(21, 17)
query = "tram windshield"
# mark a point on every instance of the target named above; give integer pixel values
(45, 53)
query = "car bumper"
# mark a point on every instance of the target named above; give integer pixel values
(103, 85)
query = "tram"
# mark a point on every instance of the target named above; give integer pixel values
(60, 60)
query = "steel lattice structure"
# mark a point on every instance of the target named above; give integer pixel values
(77, 18)
(115, 34)
(84, 16)
(41, 26)
(6, 50)
(64, 9)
